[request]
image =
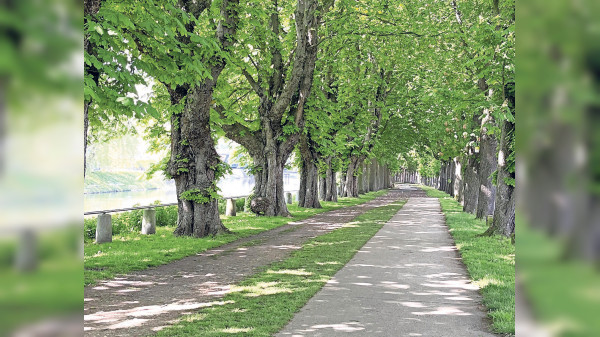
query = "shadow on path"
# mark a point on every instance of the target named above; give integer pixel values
(142, 302)
(408, 280)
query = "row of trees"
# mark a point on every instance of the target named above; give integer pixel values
(467, 125)
(338, 82)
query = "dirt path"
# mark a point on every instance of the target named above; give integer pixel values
(142, 302)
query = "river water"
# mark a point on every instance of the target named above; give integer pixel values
(237, 184)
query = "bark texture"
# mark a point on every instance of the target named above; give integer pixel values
(192, 166)
(280, 96)
(351, 186)
(504, 211)
(487, 165)
(194, 162)
(471, 183)
(308, 196)
(330, 181)
(322, 186)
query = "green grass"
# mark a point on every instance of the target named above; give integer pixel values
(263, 303)
(129, 252)
(563, 294)
(489, 260)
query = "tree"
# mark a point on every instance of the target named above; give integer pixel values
(504, 213)
(113, 67)
(183, 45)
(269, 124)
(194, 163)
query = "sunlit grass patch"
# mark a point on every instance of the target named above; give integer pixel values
(134, 251)
(290, 272)
(263, 303)
(490, 261)
(236, 330)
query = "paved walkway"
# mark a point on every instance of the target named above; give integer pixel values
(406, 281)
(143, 302)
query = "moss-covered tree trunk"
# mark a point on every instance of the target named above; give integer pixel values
(194, 164)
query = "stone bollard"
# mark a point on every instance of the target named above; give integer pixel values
(288, 198)
(297, 196)
(26, 258)
(149, 221)
(230, 207)
(104, 228)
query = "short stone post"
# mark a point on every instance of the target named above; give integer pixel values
(149, 221)
(288, 198)
(26, 258)
(104, 228)
(297, 197)
(230, 207)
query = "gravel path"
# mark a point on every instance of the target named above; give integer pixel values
(408, 280)
(142, 302)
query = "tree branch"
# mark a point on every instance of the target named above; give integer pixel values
(252, 82)
(239, 133)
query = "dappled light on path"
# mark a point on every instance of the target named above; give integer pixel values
(147, 301)
(407, 280)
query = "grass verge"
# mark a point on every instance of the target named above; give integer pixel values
(129, 252)
(489, 260)
(262, 304)
(564, 294)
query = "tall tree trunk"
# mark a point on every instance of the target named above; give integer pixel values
(443, 176)
(330, 184)
(333, 188)
(268, 179)
(322, 187)
(471, 190)
(372, 173)
(365, 176)
(359, 181)
(351, 178)
(281, 105)
(487, 165)
(504, 211)
(193, 164)
(308, 197)
(450, 177)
